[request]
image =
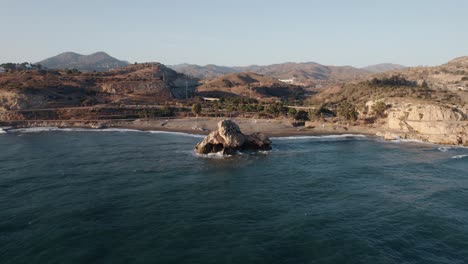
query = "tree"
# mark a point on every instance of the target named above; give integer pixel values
(424, 85)
(348, 111)
(196, 109)
(324, 111)
(379, 109)
(259, 107)
(292, 111)
(301, 115)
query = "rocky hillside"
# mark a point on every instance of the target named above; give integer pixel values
(99, 61)
(421, 103)
(383, 67)
(452, 76)
(306, 74)
(134, 84)
(249, 84)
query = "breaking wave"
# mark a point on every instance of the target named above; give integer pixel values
(123, 130)
(459, 156)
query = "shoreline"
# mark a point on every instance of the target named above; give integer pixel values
(199, 126)
(274, 128)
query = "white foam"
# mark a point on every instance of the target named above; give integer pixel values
(51, 129)
(2, 131)
(443, 149)
(123, 130)
(217, 155)
(343, 136)
(459, 156)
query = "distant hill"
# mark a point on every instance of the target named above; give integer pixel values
(249, 84)
(383, 67)
(309, 73)
(99, 61)
(209, 71)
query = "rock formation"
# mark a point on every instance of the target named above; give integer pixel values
(431, 123)
(229, 139)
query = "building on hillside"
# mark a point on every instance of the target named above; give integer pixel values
(2, 70)
(210, 99)
(290, 81)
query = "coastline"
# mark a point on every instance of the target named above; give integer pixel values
(202, 126)
(274, 128)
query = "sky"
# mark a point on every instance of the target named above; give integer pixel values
(238, 32)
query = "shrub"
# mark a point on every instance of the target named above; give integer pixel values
(379, 109)
(324, 111)
(196, 109)
(275, 109)
(395, 80)
(292, 111)
(301, 115)
(348, 111)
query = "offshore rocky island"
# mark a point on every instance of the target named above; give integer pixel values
(229, 139)
(419, 103)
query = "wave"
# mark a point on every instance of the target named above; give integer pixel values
(53, 129)
(443, 149)
(2, 131)
(217, 155)
(459, 156)
(343, 136)
(123, 130)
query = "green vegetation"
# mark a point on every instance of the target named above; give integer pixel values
(196, 109)
(395, 80)
(323, 111)
(275, 109)
(165, 111)
(301, 115)
(379, 109)
(292, 111)
(11, 67)
(348, 111)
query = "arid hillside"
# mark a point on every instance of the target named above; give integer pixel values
(447, 83)
(305, 74)
(142, 83)
(452, 75)
(250, 85)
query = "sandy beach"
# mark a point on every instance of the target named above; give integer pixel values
(204, 125)
(270, 127)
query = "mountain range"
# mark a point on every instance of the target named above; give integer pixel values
(99, 61)
(307, 73)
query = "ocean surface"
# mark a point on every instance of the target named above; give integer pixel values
(125, 196)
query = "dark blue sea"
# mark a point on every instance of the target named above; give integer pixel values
(141, 197)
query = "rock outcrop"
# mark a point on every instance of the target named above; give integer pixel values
(431, 123)
(229, 139)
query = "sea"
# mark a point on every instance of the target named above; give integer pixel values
(126, 196)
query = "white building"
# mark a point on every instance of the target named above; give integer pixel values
(290, 81)
(2, 70)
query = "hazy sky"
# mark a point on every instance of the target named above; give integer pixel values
(238, 32)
